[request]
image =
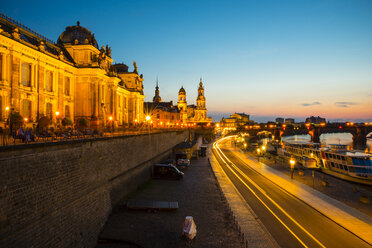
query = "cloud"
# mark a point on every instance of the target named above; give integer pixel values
(310, 104)
(345, 104)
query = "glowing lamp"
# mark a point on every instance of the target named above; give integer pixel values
(26, 119)
(57, 113)
(110, 118)
(148, 118)
(7, 109)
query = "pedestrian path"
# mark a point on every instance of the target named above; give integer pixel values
(351, 219)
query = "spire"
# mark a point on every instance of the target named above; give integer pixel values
(157, 97)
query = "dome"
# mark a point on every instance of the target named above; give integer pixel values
(81, 34)
(182, 90)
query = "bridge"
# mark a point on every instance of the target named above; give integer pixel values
(359, 131)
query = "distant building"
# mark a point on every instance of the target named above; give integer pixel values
(192, 113)
(279, 120)
(166, 114)
(289, 121)
(315, 120)
(236, 120)
(163, 114)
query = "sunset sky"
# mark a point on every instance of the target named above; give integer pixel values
(264, 58)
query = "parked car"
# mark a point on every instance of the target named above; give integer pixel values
(182, 160)
(169, 161)
(166, 171)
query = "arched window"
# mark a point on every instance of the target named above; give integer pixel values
(49, 110)
(26, 108)
(49, 81)
(26, 74)
(67, 111)
(67, 86)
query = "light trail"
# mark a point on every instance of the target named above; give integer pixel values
(230, 163)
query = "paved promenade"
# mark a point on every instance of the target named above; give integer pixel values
(198, 195)
(356, 222)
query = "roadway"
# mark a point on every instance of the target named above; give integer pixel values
(290, 221)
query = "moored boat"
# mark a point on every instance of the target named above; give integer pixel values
(335, 159)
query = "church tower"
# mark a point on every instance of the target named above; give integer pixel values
(157, 97)
(201, 110)
(182, 104)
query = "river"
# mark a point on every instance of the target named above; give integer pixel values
(329, 138)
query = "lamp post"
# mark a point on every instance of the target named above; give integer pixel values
(148, 119)
(292, 163)
(57, 117)
(110, 123)
(7, 113)
(258, 154)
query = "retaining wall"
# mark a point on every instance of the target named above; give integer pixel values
(60, 194)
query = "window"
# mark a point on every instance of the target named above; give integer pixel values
(26, 108)
(49, 110)
(67, 86)
(26, 74)
(49, 81)
(67, 111)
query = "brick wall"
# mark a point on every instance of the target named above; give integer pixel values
(60, 194)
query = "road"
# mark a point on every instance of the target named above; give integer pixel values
(291, 222)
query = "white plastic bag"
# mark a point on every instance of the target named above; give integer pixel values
(189, 228)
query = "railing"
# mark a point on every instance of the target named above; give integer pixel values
(25, 28)
(12, 140)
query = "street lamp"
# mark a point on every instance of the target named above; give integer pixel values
(148, 118)
(57, 117)
(292, 163)
(258, 153)
(7, 113)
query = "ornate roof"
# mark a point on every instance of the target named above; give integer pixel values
(182, 90)
(81, 34)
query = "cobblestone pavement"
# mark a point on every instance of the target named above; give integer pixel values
(341, 190)
(198, 195)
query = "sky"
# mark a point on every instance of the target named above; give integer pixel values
(265, 58)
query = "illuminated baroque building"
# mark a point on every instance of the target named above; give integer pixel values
(192, 113)
(163, 114)
(236, 120)
(73, 77)
(170, 115)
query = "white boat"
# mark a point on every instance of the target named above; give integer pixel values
(335, 160)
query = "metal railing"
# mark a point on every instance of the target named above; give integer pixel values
(26, 28)
(7, 139)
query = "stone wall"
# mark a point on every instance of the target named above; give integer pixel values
(60, 194)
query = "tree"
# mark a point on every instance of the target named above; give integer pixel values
(15, 121)
(83, 124)
(44, 122)
(66, 122)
